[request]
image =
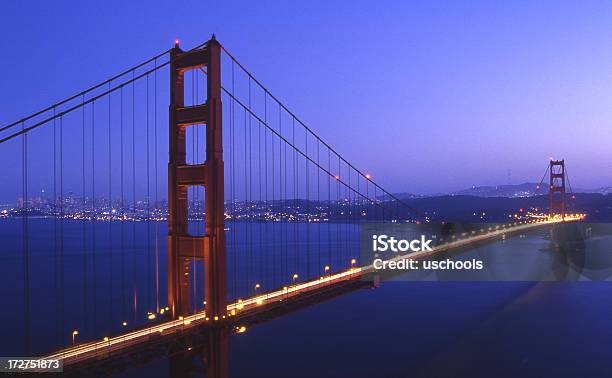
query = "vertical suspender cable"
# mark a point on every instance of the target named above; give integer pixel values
(284, 265)
(25, 241)
(296, 250)
(148, 202)
(93, 213)
(232, 190)
(261, 249)
(111, 215)
(134, 213)
(250, 196)
(55, 241)
(122, 213)
(246, 241)
(308, 243)
(331, 212)
(275, 272)
(156, 189)
(318, 211)
(266, 207)
(62, 286)
(84, 221)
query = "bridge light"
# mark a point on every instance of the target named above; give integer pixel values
(105, 338)
(177, 42)
(353, 261)
(337, 177)
(326, 268)
(241, 329)
(151, 316)
(257, 286)
(74, 333)
(368, 176)
(124, 324)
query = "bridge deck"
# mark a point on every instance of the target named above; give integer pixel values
(241, 311)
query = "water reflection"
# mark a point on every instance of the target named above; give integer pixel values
(206, 354)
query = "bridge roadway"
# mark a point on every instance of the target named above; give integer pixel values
(241, 311)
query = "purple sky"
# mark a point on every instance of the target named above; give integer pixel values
(427, 96)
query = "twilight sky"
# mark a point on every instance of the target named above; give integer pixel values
(428, 96)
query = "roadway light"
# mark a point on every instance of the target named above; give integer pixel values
(105, 338)
(326, 268)
(353, 261)
(124, 324)
(295, 277)
(150, 316)
(74, 333)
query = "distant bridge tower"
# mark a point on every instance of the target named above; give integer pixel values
(557, 187)
(182, 246)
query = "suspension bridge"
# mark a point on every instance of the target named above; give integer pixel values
(204, 217)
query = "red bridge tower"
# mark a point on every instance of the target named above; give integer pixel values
(557, 187)
(182, 246)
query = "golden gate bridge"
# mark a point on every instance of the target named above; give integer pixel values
(243, 173)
